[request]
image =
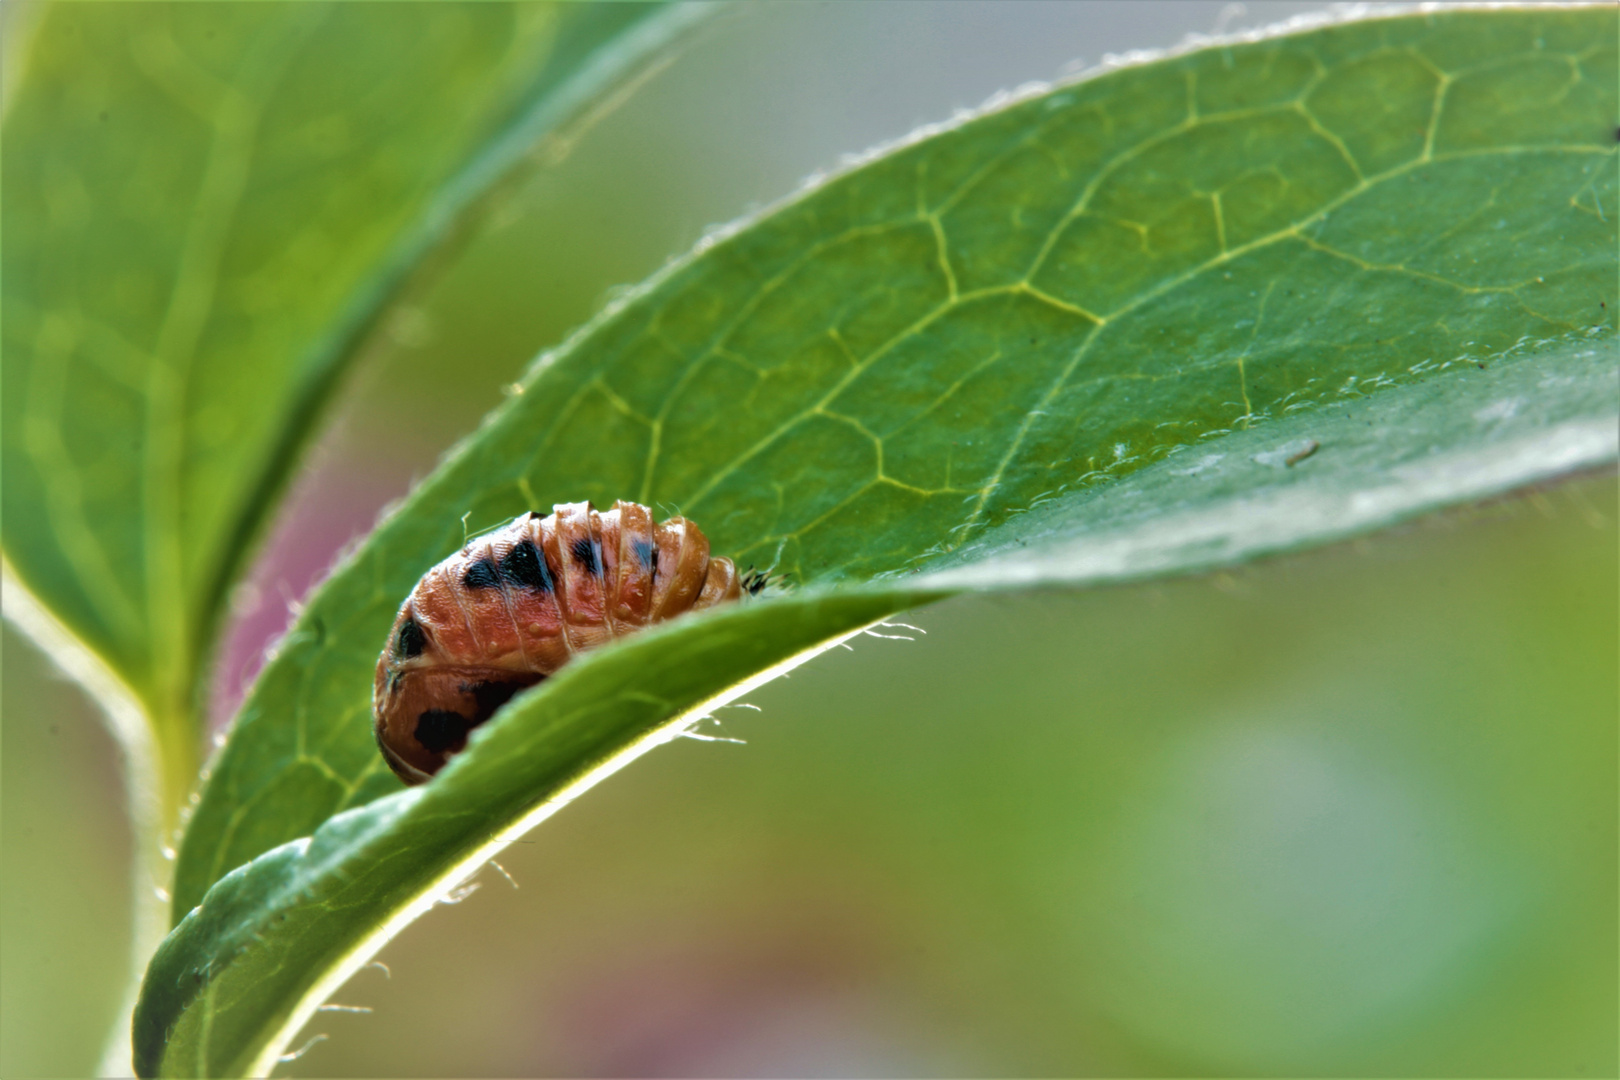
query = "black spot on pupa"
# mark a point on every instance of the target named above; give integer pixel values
(490, 696)
(587, 553)
(754, 581)
(440, 729)
(647, 552)
(525, 566)
(410, 642)
(481, 575)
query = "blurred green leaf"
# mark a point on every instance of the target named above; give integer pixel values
(1088, 336)
(205, 210)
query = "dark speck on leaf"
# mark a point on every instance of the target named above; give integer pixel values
(1311, 446)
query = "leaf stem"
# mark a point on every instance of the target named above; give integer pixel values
(160, 758)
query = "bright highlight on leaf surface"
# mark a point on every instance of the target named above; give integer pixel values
(1070, 340)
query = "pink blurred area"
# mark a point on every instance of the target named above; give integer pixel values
(330, 507)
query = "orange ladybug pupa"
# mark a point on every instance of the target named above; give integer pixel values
(516, 604)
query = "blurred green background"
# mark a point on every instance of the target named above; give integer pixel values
(1350, 812)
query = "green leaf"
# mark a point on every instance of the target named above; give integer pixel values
(205, 209)
(1085, 337)
(320, 898)
(1315, 476)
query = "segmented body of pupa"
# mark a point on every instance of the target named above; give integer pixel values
(516, 604)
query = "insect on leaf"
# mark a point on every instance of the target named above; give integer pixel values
(1245, 299)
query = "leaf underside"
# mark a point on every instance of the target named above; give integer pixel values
(1242, 300)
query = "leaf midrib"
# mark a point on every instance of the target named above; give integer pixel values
(232, 112)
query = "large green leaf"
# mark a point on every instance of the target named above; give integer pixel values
(1089, 336)
(330, 902)
(205, 207)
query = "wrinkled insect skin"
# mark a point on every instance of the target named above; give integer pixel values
(515, 605)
